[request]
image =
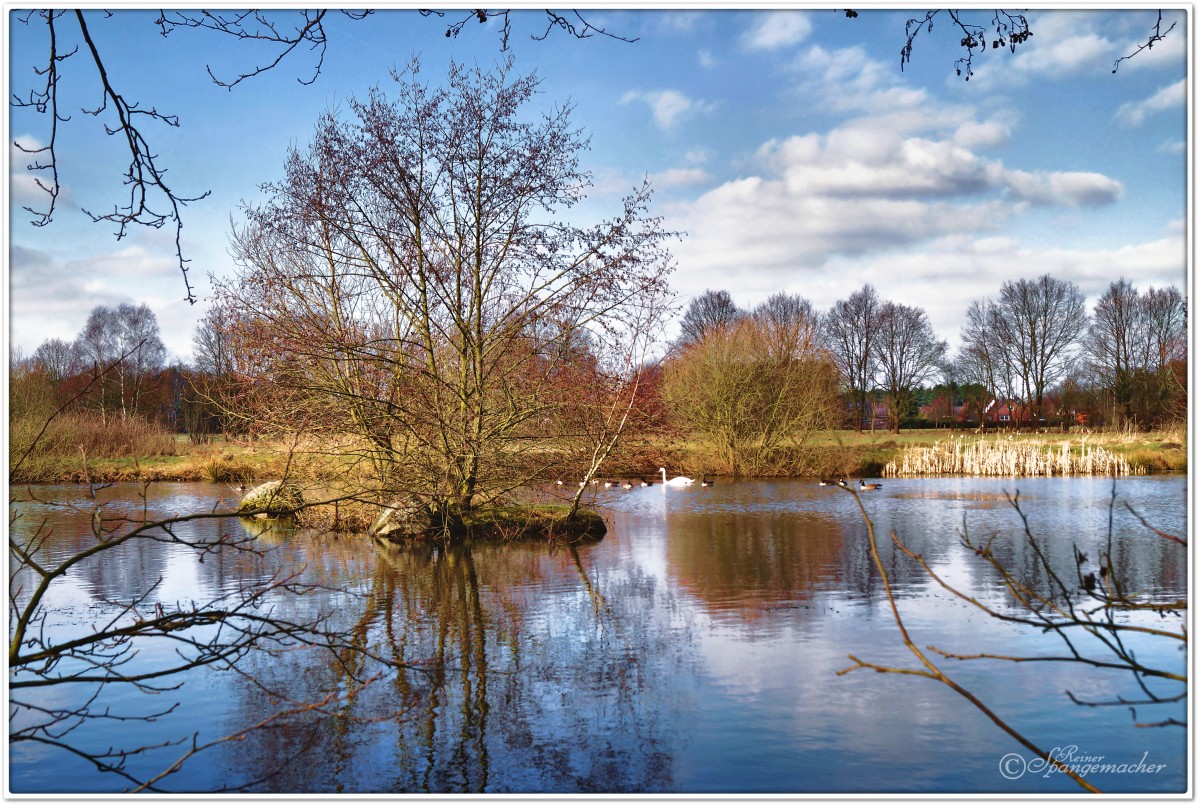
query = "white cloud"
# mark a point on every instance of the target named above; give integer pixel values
(129, 262)
(706, 59)
(1136, 112)
(1063, 42)
(778, 29)
(1067, 55)
(1171, 147)
(869, 200)
(1073, 189)
(765, 229)
(668, 106)
(986, 134)
(847, 79)
(862, 162)
(51, 297)
(963, 269)
(678, 21)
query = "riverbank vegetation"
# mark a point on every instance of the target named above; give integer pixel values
(829, 453)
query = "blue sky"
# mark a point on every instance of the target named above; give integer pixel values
(787, 144)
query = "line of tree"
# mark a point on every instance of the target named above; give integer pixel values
(1125, 364)
(114, 370)
(1033, 349)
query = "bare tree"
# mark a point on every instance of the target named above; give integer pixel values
(983, 359)
(910, 354)
(851, 330)
(1003, 30)
(1156, 35)
(1037, 324)
(407, 281)
(1118, 342)
(791, 326)
(1135, 341)
(211, 351)
(572, 23)
(712, 310)
(1165, 310)
(59, 359)
(98, 343)
(128, 335)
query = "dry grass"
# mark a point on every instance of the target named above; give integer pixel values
(73, 440)
(1011, 456)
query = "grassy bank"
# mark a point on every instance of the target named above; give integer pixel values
(831, 454)
(160, 457)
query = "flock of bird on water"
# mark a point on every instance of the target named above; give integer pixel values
(684, 481)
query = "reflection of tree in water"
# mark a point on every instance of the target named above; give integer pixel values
(1144, 562)
(858, 571)
(741, 566)
(522, 672)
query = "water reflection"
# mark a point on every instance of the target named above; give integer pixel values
(482, 658)
(694, 649)
(743, 569)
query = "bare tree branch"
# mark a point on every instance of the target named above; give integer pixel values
(1155, 37)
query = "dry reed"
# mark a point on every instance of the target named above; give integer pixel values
(1009, 457)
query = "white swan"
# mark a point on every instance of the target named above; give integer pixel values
(678, 481)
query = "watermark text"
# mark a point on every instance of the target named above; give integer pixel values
(1061, 759)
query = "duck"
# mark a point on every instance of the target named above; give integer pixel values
(647, 483)
(626, 486)
(705, 482)
(678, 481)
(842, 483)
(825, 483)
(609, 484)
(862, 485)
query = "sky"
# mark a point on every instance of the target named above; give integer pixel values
(788, 146)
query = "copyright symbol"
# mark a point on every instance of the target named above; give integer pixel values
(1012, 766)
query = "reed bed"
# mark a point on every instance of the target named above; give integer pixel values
(1009, 457)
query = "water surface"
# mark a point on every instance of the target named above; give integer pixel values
(695, 649)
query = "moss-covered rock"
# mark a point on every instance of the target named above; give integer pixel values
(402, 519)
(275, 498)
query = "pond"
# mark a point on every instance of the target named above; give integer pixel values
(695, 649)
